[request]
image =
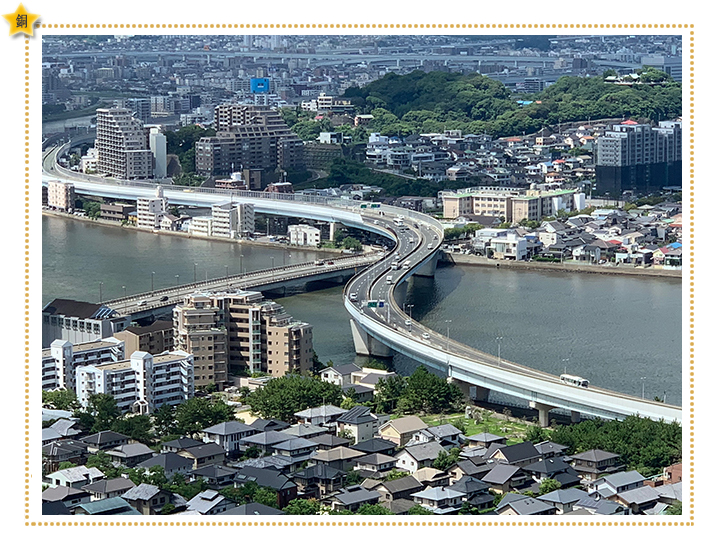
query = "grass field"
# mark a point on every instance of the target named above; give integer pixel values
(513, 429)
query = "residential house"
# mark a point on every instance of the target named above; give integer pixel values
(600, 507)
(104, 440)
(209, 502)
(517, 454)
(609, 486)
(401, 430)
(671, 474)
(376, 445)
(418, 456)
(108, 488)
(446, 435)
(352, 498)
(322, 415)
(474, 468)
(263, 425)
(525, 507)
(55, 453)
(505, 477)
(401, 488)
(265, 441)
(75, 477)
(227, 435)
(318, 480)
(286, 489)
(641, 500)
(107, 506)
(591, 464)
(431, 477)
(553, 468)
(271, 462)
(375, 464)
(360, 423)
(171, 463)
(148, 499)
(297, 450)
(440, 500)
(551, 449)
(175, 446)
(252, 508)
(476, 492)
(216, 476)
(204, 454)
(130, 454)
(341, 458)
(486, 439)
(329, 441)
(62, 429)
(304, 430)
(340, 374)
(71, 497)
(563, 500)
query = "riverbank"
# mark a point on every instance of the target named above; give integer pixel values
(462, 259)
(182, 234)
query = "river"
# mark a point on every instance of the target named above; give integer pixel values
(613, 330)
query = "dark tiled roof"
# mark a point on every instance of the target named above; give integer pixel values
(75, 308)
(252, 509)
(205, 450)
(519, 452)
(105, 437)
(319, 471)
(264, 477)
(403, 484)
(357, 414)
(375, 445)
(182, 443)
(168, 461)
(156, 326)
(269, 425)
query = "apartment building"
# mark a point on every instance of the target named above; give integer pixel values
(61, 359)
(232, 220)
(61, 195)
(248, 137)
(155, 338)
(142, 383)
(254, 334)
(122, 144)
(79, 322)
(632, 156)
(303, 235)
(150, 211)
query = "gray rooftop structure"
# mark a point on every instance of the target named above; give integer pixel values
(229, 427)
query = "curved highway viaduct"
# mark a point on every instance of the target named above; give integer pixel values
(381, 330)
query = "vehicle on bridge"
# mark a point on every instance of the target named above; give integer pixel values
(389, 280)
(574, 381)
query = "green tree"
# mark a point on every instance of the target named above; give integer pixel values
(549, 485)
(102, 461)
(252, 452)
(536, 434)
(676, 508)
(353, 478)
(373, 363)
(419, 510)
(66, 464)
(468, 509)
(101, 413)
(445, 459)
(138, 428)
(282, 397)
(302, 507)
(389, 391)
(197, 413)
(395, 474)
(351, 243)
(376, 509)
(338, 237)
(164, 420)
(178, 485)
(60, 399)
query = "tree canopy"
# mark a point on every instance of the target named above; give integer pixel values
(282, 397)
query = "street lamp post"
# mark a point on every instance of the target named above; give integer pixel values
(272, 262)
(177, 280)
(124, 291)
(152, 274)
(564, 361)
(448, 339)
(499, 339)
(194, 273)
(101, 291)
(226, 271)
(643, 387)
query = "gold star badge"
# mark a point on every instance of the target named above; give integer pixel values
(21, 21)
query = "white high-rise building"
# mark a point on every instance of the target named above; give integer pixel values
(232, 220)
(60, 195)
(158, 146)
(303, 235)
(141, 384)
(60, 360)
(122, 145)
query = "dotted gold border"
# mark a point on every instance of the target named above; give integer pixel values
(310, 524)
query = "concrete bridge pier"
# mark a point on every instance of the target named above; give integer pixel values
(367, 345)
(479, 394)
(543, 413)
(575, 418)
(400, 294)
(427, 269)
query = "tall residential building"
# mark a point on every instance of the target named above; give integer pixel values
(79, 322)
(638, 157)
(158, 146)
(61, 195)
(60, 360)
(140, 108)
(154, 338)
(229, 220)
(142, 383)
(248, 137)
(151, 210)
(122, 145)
(259, 335)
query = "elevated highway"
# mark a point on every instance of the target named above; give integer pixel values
(373, 297)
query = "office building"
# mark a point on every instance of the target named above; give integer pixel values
(140, 384)
(240, 331)
(122, 145)
(303, 235)
(61, 195)
(79, 322)
(60, 360)
(638, 157)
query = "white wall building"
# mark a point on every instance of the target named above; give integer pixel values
(122, 145)
(60, 360)
(158, 146)
(141, 384)
(201, 226)
(60, 195)
(151, 210)
(303, 235)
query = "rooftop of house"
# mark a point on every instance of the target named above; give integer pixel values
(204, 501)
(402, 484)
(228, 427)
(135, 449)
(342, 370)
(267, 438)
(337, 454)
(526, 506)
(319, 471)
(105, 437)
(355, 495)
(305, 429)
(76, 308)
(406, 424)
(168, 461)
(109, 506)
(356, 415)
(444, 430)
(107, 486)
(252, 508)
(376, 458)
(295, 443)
(424, 451)
(60, 492)
(208, 449)
(500, 474)
(77, 473)
(324, 411)
(620, 479)
(564, 496)
(144, 491)
(182, 443)
(375, 445)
